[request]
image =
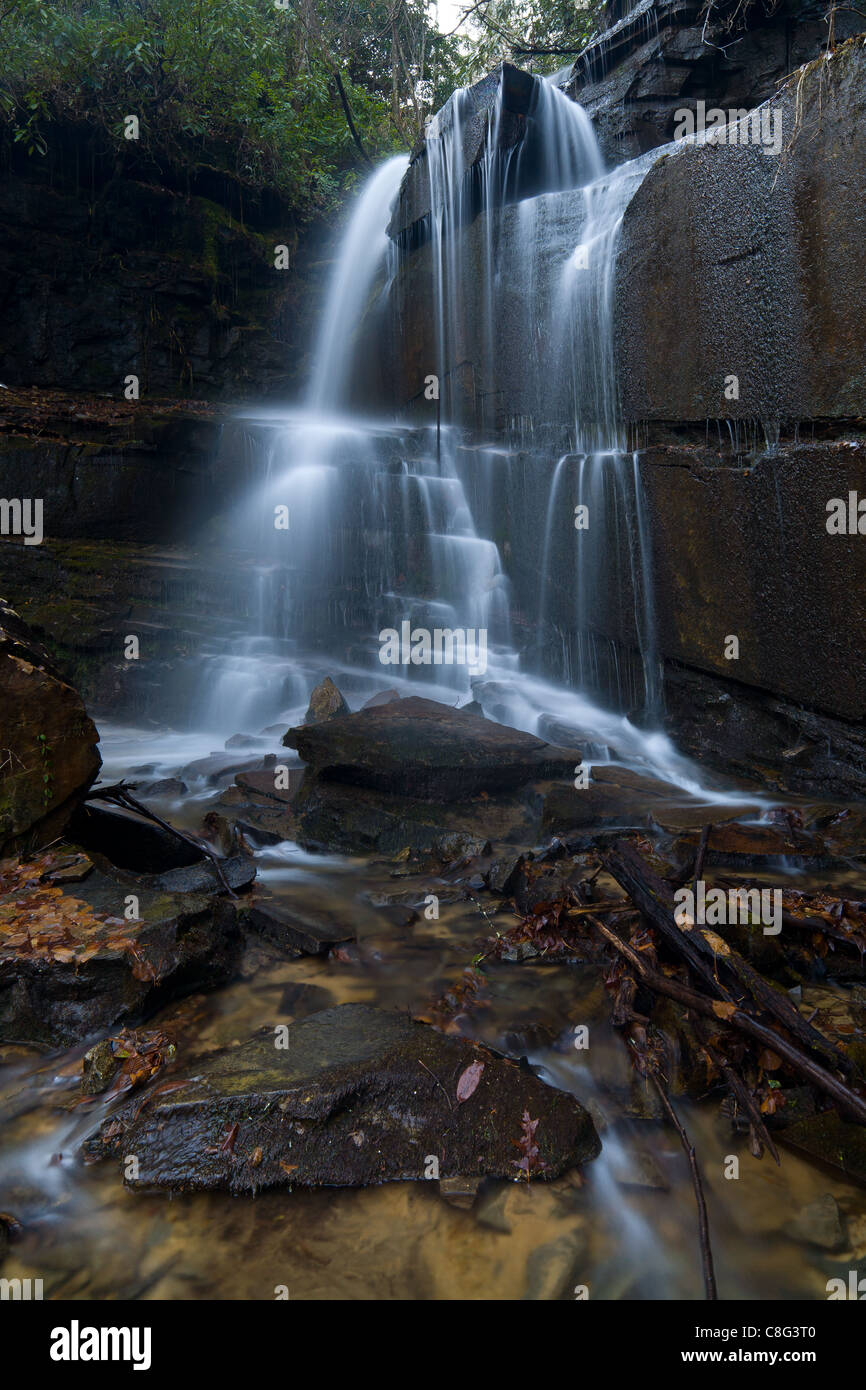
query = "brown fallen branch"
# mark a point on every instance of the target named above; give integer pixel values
(744, 1098)
(735, 1017)
(700, 1200)
(122, 797)
(703, 845)
(822, 924)
(613, 907)
(655, 899)
(819, 924)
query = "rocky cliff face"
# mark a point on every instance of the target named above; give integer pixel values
(658, 56)
(130, 493)
(107, 271)
(736, 260)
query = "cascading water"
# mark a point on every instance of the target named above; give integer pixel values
(387, 527)
(350, 526)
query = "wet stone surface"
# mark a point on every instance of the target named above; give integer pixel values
(357, 1095)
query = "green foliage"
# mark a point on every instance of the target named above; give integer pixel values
(501, 29)
(241, 85)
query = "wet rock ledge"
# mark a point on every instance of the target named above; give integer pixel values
(353, 1096)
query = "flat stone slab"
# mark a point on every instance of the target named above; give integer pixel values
(298, 930)
(617, 796)
(423, 749)
(747, 845)
(71, 964)
(358, 820)
(239, 873)
(358, 1096)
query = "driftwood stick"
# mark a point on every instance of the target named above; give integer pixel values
(123, 797)
(655, 899)
(743, 1096)
(701, 855)
(744, 1022)
(700, 1200)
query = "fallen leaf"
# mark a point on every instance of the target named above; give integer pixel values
(469, 1080)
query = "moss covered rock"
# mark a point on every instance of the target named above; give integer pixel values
(48, 754)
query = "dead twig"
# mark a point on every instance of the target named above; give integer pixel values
(122, 797)
(735, 1017)
(700, 1200)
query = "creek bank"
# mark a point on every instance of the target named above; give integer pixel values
(357, 1096)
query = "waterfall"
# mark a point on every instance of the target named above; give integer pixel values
(365, 247)
(352, 526)
(548, 278)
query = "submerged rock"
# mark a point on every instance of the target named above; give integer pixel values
(423, 749)
(297, 929)
(48, 756)
(820, 1223)
(830, 1139)
(356, 1096)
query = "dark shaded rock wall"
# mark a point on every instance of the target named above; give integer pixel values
(742, 548)
(108, 268)
(663, 55)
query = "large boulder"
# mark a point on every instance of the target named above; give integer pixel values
(48, 755)
(422, 749)
(354, 1095)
